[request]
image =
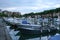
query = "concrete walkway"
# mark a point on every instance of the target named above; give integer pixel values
(4, 35)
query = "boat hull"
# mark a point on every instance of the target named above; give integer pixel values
(26, 31)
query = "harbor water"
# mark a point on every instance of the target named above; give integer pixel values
(17, 35)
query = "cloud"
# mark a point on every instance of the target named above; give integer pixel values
(26, 6)
(57, 5)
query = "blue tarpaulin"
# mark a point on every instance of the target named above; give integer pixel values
(24, 22)
(57, 37)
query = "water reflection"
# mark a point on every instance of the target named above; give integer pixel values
(44, 36)
(12, 33)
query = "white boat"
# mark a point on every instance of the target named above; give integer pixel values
(58, 21)
(27, 25)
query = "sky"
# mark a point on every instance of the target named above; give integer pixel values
(27, 6)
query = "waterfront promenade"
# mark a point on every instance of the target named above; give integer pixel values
(4, 35)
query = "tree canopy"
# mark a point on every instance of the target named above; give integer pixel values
(44, 12)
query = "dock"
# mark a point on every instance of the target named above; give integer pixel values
(4, 34)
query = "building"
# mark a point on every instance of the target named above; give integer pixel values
(16, 14)
(11, 14)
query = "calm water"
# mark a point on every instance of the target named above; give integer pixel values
(16, 35)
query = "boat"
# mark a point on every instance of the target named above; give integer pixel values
(28, 28)
(58, 21)
(11, 21)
